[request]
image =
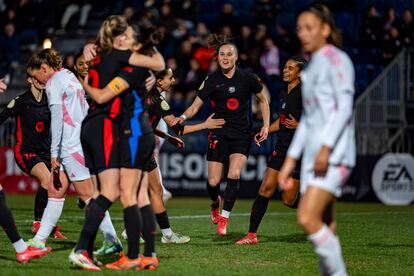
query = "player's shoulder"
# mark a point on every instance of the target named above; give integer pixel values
(335, 57)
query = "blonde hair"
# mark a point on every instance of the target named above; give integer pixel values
(49, 57)
(112, 27)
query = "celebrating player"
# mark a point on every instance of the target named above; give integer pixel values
(325, 136)
(229, 90)
(285, 125)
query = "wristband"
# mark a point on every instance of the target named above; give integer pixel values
(183, 117)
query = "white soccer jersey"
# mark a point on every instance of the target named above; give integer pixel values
(68, 109)
(327, 119)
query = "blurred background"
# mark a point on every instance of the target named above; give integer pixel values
(378, 36)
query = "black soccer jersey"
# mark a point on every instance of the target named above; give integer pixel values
(158, 108)
(32, 122)
(133, 102)
(104, 68)
(230, 99)
(290, 104)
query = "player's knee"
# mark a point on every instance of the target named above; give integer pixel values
(234, 174)
(305, 220)
(266, 191)
(214, 181)
(127, 200)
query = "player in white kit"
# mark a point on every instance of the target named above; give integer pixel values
(325, 137)
(68, 107)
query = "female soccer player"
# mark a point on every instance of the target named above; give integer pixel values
(102, 149)
(32, 149)
(325, 136)
(285, 125)
(24, 253)
(229, 90)
(81, 67)
(158, 110)
(68, 107)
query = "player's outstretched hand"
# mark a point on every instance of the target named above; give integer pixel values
(3, 86)
(89, 51)
(322, 161)
(211, 123)
(176, 142)
(55, 173)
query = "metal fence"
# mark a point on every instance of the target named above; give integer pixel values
(381, 111)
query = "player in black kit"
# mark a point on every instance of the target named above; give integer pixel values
(291, 110)
(32, 149)
(229, 90)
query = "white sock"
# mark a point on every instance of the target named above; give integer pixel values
(51, 215)
(20, 246)
(167, 232)
(327, 247)
(108, 229)
(225, 214)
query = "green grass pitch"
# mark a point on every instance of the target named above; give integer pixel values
(376, 240)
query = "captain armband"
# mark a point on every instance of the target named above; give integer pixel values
(178, 129)
(117, 85)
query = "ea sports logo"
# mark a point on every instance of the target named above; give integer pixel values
(232, 103)
(393, 179)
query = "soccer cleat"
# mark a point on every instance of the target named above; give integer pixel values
(175, 238)
(215, 212)
(250, 238)
(82, 260)
(36, 244)
(222, 226)
(124, 263)
(35, 226)
(32, 253)
(58, 235)
(125, 237)
(109, 248)
(167, 195)
(149, 263)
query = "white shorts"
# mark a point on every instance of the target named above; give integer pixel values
(332, 182)
(74, 166)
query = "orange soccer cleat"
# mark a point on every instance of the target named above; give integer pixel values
(58, 235)
(250, 238)
(124, 263)
(32, 253)
(222, 226)
(149, 263)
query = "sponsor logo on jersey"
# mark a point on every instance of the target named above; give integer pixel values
(165, 105)
(392, 179)
(232, 103)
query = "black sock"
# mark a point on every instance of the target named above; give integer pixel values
(7, 221)
(95, 212)
(40, 203)
(258, 210)
(230, 194)
(148, 230)
(132, 220)
(162, 220)
(213, 192)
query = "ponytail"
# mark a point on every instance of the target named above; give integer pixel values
(112, 27)
(323, 13)
(49, 57)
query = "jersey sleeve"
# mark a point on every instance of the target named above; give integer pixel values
(205, 89)
(11, 110)
(255, 83)
(134, 76)
(342, 81)
(56, 128)
(123, 56)
(162, 108)
(54, 91)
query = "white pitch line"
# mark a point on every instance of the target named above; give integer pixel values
(80, 218)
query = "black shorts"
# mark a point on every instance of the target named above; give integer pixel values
(136, 152)
(100, 144)
(220, 148)
(276, 162)
(152, 164)
(27, 160)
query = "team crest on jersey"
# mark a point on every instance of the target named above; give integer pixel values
(232, 89)
(165, 105)
(12, 103)
(202, 84)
